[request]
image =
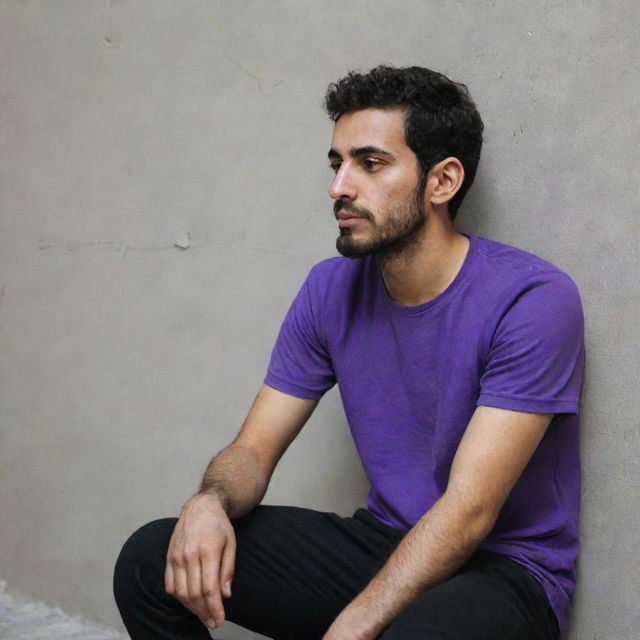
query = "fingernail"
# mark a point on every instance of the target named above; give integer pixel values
(211, 623)
(227, 589)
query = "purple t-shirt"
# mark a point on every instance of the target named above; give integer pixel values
(507, 332)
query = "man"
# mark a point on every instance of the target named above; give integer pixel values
(459, 363)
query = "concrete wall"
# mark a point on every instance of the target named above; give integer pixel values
(126, 361)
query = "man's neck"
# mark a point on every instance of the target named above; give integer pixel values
(426, 268)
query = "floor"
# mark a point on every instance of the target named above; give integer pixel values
(22, 619)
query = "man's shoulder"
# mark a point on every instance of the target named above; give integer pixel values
(517, 287)
(510, 257)
(513, 267)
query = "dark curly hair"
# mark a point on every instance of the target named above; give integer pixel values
(442, 120)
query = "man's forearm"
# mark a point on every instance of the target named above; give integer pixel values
(495, 448)
(236, 476)
(432, 551)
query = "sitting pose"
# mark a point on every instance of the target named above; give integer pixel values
(459, 363)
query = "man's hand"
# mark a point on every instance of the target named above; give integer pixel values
(201, 559)
(202, 550)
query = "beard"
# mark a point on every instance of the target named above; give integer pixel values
(390, 238)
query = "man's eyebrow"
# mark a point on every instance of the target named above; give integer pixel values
(356, 152)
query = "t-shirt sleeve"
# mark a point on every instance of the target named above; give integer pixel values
(300, 364)
(536, 354)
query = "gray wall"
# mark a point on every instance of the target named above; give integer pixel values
(126, 361)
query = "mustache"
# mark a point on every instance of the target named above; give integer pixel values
(344, 206)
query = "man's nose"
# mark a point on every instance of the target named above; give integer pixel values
(342, 185)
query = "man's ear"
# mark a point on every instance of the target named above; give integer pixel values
(445, 180)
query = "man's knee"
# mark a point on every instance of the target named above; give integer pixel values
(142, 559)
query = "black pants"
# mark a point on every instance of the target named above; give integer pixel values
(296, 569)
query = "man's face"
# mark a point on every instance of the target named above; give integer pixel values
(376, 186)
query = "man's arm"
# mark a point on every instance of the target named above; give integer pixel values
(492, 454)
(201, 555)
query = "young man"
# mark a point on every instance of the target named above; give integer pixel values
(459, 363)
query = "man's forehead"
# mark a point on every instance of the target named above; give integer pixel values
(373, 127)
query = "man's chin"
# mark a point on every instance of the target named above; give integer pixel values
(348, 248)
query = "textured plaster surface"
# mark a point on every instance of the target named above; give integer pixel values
(163, 194)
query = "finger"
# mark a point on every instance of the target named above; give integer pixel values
(181, 590)
(169, 575)
(196, 599)
(169, 582)
(227, 567)
(211, 589)
(194, 578)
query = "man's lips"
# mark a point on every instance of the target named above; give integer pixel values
(348, 219)
(348, 215)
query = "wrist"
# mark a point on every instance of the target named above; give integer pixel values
(211, 498)
(356, 622)
(366, 616)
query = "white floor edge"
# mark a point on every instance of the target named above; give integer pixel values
(24, 619)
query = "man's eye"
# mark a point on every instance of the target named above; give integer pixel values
(371, 164)
(334, 166)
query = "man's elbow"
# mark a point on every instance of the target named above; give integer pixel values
(476, 516)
